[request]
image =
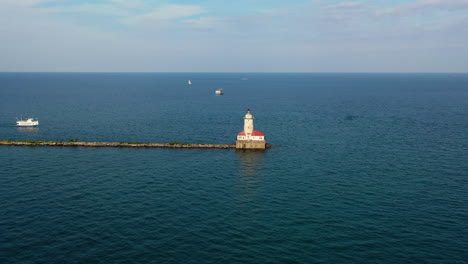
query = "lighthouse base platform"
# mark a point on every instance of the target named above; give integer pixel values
(251, 144)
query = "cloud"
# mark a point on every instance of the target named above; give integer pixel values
(41, 35)
(166, 12)
(204, 23)
(425, 5)
(26, 3)
(129, 4)
(346, 6)
(99, 9)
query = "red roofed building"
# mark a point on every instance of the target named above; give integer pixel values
(250, 138)
(255, 133)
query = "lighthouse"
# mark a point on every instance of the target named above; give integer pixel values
(250, 138)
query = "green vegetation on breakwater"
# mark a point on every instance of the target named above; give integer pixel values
(177, 143)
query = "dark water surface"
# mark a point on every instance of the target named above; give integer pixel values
(367, 168)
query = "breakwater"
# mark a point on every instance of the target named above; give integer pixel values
(115, 144)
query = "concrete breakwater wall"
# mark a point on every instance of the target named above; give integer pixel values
(115, 144)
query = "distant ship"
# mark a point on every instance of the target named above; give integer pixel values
(189, 82)
(219, 92)
(30, 122)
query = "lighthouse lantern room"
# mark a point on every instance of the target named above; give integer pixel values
(250, 138)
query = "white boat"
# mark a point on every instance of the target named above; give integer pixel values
(30, 122)
(189, 82)
(219, 92)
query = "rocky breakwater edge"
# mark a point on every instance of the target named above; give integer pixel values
(73, 143)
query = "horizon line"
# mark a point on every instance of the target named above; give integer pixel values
(253, 72)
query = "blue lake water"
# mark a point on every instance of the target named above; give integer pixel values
(366, 168)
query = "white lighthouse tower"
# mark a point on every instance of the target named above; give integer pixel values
(248, 123)
(250, 138)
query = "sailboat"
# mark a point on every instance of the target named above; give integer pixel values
(189, 82)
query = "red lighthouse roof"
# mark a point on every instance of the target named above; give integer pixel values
(254, 133)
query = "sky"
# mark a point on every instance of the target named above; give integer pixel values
(234, 36)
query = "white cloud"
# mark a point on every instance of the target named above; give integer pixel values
(101, 9)
(346, 5)
(25, 3)
(129, 4)
(422, 5)
(204, 23)
(167, 12)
